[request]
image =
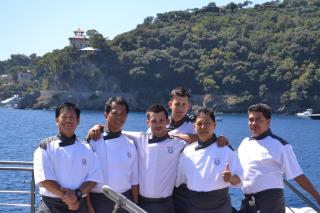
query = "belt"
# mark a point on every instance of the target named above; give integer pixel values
(251, 198)
(213, 193)
(57, 199)
(154, 200)
(264, 192)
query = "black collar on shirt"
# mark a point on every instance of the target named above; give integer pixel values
(155, 139)
(111, 135)
(203, 145)
(173, 125)
(66, 141)
(262, 136)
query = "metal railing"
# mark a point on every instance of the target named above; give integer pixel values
(20, 166)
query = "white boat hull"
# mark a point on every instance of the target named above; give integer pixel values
(300, 210)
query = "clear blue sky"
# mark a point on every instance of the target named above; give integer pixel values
(40, 26)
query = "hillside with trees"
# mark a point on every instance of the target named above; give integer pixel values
(267, 53)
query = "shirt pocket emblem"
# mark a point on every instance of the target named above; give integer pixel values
(217, 161)
(84, 161)
(170, 149)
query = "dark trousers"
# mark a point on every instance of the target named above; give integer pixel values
(56, 205)
(102, 204)
(180, 199)
(216, 201)
(266, 201)
(156, 205)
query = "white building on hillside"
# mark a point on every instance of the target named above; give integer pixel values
(79, 40)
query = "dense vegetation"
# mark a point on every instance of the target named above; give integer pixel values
(268, 53)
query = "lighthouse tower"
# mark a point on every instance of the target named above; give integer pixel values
(79, 40)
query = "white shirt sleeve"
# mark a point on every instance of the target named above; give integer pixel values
(135, 174)
(43, 169)
(133, 135)
(235, 167)
(290, 165)
(180, 174)
(95, 172)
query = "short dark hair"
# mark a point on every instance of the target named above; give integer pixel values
(180, 91)
(68, 105)
(156, 108)
(116, 100)
(260, 107)
(205, 110)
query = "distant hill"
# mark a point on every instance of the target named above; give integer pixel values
(269, 53)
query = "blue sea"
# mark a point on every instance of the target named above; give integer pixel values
(22, 130)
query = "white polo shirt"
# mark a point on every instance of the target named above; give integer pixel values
(264, 160)
(119, 162)
(202, 169)
(185, 126)
(158, 163)
(70, 165)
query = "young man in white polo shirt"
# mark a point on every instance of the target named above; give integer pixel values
(65, 169)
(265, 157)
(158, 155)
(208, 170)
(182, 125)
(118, 158)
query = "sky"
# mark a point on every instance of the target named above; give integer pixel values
(40, 26)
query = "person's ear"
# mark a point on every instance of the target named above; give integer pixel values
(105, 115)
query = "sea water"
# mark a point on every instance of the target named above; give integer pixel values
(22, 130)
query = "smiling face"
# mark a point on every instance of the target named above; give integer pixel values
(67, 122)
(158, 123)
(258, 123)
(204, 127)
(179, 106)
(116, 117)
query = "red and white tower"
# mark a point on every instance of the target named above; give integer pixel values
(79, 40)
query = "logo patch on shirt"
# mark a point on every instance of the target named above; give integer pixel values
(84, 161)
(264, 154)
(129, 154)
(217, 161)
(170, 149)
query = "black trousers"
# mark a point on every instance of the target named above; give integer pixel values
(56, 205)
(216, 201)
(156, 205)
(266, 201)
(180, 198)
(102, 204)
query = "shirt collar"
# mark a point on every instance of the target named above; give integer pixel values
(111, 135)
(262, 136)
(203, 145)
(154, 139)
(65, 141)
(173, 125)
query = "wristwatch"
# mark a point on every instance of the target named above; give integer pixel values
(78, 193)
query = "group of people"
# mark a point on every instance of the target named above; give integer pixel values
(178, 166)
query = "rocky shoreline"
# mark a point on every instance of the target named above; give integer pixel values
(95, 100)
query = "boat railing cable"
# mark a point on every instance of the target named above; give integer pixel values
(20, 166)
(121, 201)
(301, 196)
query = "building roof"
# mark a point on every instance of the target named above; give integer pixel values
(89, 49)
